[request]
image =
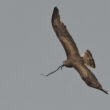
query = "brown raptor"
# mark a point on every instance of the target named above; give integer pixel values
(74, 59)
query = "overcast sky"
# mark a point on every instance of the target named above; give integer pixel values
(29, 47)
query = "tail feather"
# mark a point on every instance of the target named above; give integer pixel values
(88, 59)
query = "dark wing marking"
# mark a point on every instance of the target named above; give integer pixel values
(89, 78)
(63, 35)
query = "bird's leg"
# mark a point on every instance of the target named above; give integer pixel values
(53, 71)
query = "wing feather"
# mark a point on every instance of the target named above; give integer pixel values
(89, 78)
(63, 35)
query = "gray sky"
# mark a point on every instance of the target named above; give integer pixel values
(29, 47)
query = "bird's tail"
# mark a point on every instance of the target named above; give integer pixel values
(88, 59)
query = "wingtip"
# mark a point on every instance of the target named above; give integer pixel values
(106, 92)
(55, 9)
(55, 14)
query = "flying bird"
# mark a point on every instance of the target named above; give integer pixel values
(74, 59)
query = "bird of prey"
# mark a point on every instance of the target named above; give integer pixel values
(74, 59)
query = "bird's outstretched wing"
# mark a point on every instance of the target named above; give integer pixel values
(89, 78)
(63, 35)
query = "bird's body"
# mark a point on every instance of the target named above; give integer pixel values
(74, 59)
